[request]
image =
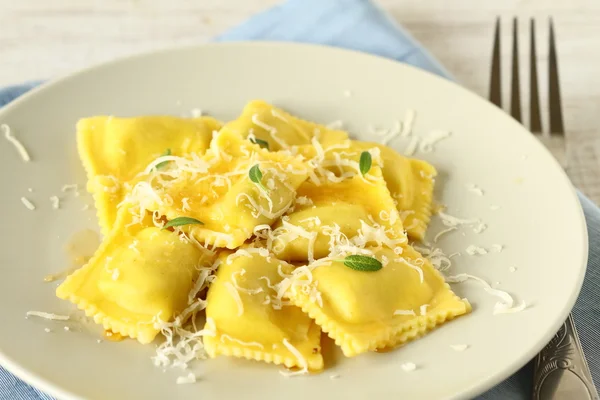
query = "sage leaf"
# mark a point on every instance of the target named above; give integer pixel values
(179, 221)
(365, 162)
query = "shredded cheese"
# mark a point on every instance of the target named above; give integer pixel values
(301, 360)
(473, 250)
(49, 316)
(471, 187)
(408, 367)
(445, 231)
(189, 378)
(459, 347)
(497, 248)
(55, 202)
(236, 297)
(225, 336)
(405, 312)
(506, 303)
(27, 203)
(16, 143)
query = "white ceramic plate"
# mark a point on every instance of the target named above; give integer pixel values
(540, 223)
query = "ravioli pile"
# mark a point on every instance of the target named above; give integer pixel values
(187, 227)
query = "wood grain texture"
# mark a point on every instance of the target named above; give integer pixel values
(44, 39)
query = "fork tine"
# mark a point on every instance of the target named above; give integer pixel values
(556, 118)
(495, 76)
(515, 93)
(535, 120)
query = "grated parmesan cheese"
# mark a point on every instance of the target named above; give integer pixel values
(236, 297)
(299, 357)
(506, 303)
(411, 148)
(408, 367)
(405, 312)
(190, 378)
(409, 120)
(445, 231)
(473, 250)
(232, 339)
(471, 187)
(423, 309)
(196, 112)
(55, 202)
(459, 347)
(16, 143)
(497, 248)
(27, 203)
(48, 316)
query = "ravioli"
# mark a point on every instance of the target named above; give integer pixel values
(137, 275)
(114, 150)
(279, 129)
(409, 181)
(365, 311)
(220, 193)
(249, 321)
(336, 213)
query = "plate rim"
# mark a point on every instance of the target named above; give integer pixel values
(473, 389)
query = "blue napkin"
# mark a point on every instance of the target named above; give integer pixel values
(360, 25)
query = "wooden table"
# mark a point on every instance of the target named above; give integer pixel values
(44, 39)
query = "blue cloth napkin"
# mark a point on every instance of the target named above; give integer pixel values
(360, 25)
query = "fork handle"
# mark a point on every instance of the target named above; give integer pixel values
(560, 369)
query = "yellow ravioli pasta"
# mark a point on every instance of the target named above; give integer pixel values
(411, 184)
(114, 150)
(409, 181)
(348, 208)
(222, 195)
(280, 129)
(243, 312)
(364, 311)
(138, 274)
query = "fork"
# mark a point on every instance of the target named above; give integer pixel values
(560, 369)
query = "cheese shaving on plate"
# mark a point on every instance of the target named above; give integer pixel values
(471, 187)
(55, 202)
(15, 142)
(27, 203)
(473, 250)
(49, 316)
(408, 367)
(445, 231)
(505, 306)
(189, 378)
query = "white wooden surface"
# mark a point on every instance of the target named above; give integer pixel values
(47, 38)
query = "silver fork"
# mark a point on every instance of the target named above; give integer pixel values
(560, 369)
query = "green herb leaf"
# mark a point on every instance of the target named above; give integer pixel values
(365, 162)
(256, 176)
(362, 263)
(162, 164)
(179, 221)
(262, 143)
